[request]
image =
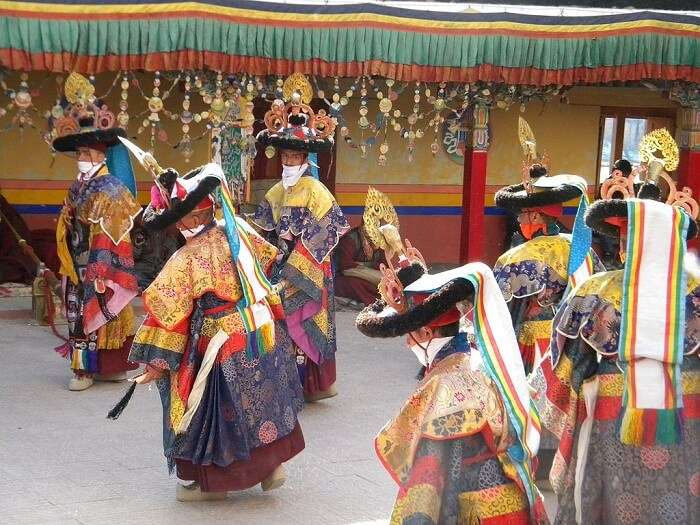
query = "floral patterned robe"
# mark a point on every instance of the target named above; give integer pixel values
(306, 223)
(246, 423)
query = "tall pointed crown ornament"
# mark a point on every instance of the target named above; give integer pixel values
(529, 145)
(378, 211)
(659, 155)
(292, 124)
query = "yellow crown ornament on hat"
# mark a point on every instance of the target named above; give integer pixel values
(528, 143)
(378, 211)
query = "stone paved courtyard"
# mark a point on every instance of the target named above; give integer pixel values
(62, 462)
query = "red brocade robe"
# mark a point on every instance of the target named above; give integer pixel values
(97, 262)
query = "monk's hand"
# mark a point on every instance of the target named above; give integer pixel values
(151, 373)
(280, 286)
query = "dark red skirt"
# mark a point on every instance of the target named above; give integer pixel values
(241, 475)
(319, 378)
(355, 288)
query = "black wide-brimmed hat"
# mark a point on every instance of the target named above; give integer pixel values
(599, 212)
(297, 138)
(190, 192)
(89, 135)
(430, 305)
(546, 191)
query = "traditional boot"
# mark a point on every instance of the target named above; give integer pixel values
(322, 394)
(79, 383)
(193, 492)
(274, 480)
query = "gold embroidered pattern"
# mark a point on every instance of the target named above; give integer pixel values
(422, 499)
(323, 322)
(606, 285)
(454, 401)
(202, 265)
(115, 216)
(532, 331)
(111, 335)
(550, 250)
(492, 502)
(307, 193)
(62, 236)
(177, 407)
(309, 269)
(231, 324)
(162, 338)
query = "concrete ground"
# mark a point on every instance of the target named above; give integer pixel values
(62, 462)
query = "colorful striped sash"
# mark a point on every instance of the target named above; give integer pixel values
(652, 328)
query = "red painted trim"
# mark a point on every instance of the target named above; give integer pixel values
(189, 59)
(474, 190)
(689, 176)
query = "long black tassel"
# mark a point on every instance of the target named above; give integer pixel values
(121, 405)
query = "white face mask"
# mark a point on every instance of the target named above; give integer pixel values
(188, 234)
(87, 168)
(292, 174)
(426, 354)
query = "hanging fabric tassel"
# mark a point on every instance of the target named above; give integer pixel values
(121, 405)
(63, 350)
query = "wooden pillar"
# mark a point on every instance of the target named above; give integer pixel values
(688, 138)
(474, 187)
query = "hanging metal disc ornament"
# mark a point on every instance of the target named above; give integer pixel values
(270, 152)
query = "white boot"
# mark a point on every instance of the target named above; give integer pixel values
(193, 492)
(119, 376)
(274, 480)
(78, 383)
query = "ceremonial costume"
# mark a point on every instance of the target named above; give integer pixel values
(215, 338)
(461, 447)
(300, 216)
(622, 387)
(93, 243)
(534, 275)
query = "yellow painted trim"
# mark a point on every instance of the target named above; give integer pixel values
(405, 199)
(34, 196)
(50, 197)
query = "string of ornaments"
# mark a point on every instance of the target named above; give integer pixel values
(204, 103)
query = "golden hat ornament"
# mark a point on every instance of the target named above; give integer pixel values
(378, 211)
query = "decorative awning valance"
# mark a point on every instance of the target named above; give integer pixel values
(347, 40)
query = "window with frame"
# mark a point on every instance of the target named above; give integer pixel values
(621, 131)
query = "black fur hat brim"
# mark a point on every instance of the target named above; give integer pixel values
(410, 274)
(108, 137)
(515, 198)
(372, 324)
(599, 211)
(181, 208)
(265, 138)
